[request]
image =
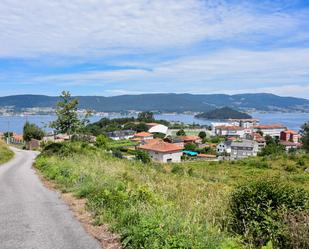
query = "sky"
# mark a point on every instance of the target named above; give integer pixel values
(115, 47)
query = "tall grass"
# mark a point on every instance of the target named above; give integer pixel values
(5, 153)
(160, 206)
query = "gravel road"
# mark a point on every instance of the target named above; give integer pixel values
(32, 216)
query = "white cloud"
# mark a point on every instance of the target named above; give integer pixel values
(284, 71)
(103, 27)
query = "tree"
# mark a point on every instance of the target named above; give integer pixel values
(202, 134)
(67, 121)
(142, 156)
(141, 127)
(190, 146)
(304, 132)
(101, 141)
(145, 117)
(181, 132)
(269, 140)
(32, 131)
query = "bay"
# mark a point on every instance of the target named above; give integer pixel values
(291, 120)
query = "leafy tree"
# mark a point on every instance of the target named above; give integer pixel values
(32, 131)
(202, 134)
(159, 135)
(304, 132)
(190, 146)
(145, 117)
(142, 156)
(181, 132)
(68, 121)
(7, 134)
(141, 127)
(101, 141)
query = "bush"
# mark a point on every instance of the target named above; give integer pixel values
(142, 156)
(117, 153)
(101, 141)
(256, 211)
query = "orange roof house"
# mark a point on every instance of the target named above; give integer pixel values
(190, 139)
(161, 151)
(143, 134)
(160, 146)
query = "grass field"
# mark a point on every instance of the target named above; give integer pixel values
(5, 153)
(164, 206)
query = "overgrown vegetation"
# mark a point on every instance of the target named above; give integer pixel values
(5, 153)
(32, 131)
(185, 205)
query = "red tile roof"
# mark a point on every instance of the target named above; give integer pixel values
(290, 132)
(189, 138)
(206, 155)
(152, 124)
(271, 126)
(143, 134)
(160, 146)
(229, 127)
(288, 143)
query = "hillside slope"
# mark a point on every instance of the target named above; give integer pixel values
(167, 102)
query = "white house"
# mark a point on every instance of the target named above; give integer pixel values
(245, 123)
(229, 131)
(121, 134)
(224, 147)
(163, 152)
(273, 130)
(244, 148)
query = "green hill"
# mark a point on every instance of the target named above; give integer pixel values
(223, 113)
(168, 102)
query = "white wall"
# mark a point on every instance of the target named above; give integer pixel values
(164, 157)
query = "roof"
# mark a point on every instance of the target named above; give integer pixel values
(207, 155)
(151, 124)
(143, 134)
(18, 137)
(290, 132)
(160, 146)
(226, 143)
(190, 153)
(232, 138)
(189, 138)
(288, 143)
(244, 119)
(158, 129)
(152, 141)
(258, 137)
(271, 126)
(243, 143)
(229, 127)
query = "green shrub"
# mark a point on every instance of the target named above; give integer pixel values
(256, 208)
(177, 169)
(142, 156)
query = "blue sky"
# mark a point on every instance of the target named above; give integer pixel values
(113, 47)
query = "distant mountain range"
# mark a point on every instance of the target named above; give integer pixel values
(167, 102)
